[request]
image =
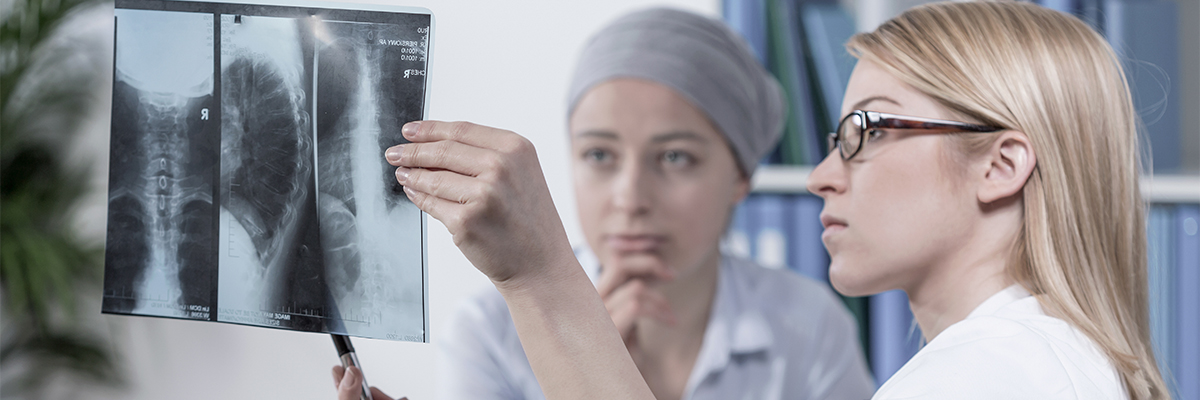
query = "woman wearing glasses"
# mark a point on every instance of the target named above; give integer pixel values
(988, 166)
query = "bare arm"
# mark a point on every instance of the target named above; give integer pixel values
(487, 187)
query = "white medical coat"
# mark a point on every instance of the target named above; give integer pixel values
(1007, 348)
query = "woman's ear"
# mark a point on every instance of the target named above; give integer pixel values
(1010, 162)
(741, 189)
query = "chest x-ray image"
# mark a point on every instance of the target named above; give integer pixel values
(301, 224)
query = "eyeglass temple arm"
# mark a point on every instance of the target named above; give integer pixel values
(892, 121)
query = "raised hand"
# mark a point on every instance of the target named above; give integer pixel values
(486, 186)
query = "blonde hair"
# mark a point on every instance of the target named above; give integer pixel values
(1082, 248)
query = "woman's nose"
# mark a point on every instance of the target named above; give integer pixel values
(829, 177)
(631, 193)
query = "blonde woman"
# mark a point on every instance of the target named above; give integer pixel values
(987, 165)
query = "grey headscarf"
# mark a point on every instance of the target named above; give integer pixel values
(698, 57)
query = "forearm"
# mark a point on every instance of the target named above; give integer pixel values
(571, 343)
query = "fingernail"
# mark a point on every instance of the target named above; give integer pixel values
(393, 153)
(402, 175)
(410, 129)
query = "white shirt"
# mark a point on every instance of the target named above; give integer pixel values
(771, 335)
(1007, 348)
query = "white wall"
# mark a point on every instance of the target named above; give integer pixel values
(499, 63)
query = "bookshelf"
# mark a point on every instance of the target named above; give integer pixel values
(786, 179)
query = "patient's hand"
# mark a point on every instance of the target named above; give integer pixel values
(629, 295)
(487, 187)
(349, 385)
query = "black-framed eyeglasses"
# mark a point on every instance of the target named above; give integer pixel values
(854, 128)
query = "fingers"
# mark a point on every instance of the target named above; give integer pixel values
(449, 212)
(338, 372)
(635, 300)
(377, 394)
(445, 185)
(462, 132)
(350, 386)
(446, 154)
(614, 276)
(461, 147)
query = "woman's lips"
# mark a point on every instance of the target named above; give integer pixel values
(831, 230)
(634, 243)
(832, 225)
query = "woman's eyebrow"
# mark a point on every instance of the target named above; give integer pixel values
(863, 103)
(599, 134)
(680, 135)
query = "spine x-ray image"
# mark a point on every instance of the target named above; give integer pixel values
(299, 222)
(159, 255)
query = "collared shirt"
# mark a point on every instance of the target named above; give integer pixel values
(1007, 348)
(771, 335)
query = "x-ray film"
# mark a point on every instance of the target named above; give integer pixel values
(247, 182)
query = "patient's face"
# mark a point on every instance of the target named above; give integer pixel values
(654, 180)
(895, 212)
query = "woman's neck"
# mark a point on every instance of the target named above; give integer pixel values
(666, 354)
(690, 297)
(959, 283)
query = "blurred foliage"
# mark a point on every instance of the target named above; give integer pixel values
(47, 89)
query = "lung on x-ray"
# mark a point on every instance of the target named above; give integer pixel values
(247, 182)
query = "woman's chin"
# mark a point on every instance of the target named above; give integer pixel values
(849, 283)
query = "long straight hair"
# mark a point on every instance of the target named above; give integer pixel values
(1082, 247)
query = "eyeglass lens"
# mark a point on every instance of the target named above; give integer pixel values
(849, 136)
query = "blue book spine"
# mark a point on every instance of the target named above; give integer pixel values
(828, 28)
(1065, 6)
(806, 252)
(737, 239)
(894, 337)
(770, 236)
(1161, 263)
(749, 18)
(1187, 310)
(1145, 34)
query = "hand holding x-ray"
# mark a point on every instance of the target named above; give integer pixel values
(486, 186)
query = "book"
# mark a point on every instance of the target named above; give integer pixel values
(895, 337)
(1160, 276)
(1144, 33)
(806, 253)
(769, 233)
(1187, 306)
(827, 28)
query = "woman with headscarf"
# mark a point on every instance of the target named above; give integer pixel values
(669, 114)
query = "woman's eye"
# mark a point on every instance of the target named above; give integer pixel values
(676, 157)
(874, 134)
(596, 156)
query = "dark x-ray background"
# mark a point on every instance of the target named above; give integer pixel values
(311, 230)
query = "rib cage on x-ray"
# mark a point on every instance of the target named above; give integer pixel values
(247, 181)
(160, 195)
(271, 258)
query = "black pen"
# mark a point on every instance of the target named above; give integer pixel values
(346, 354)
